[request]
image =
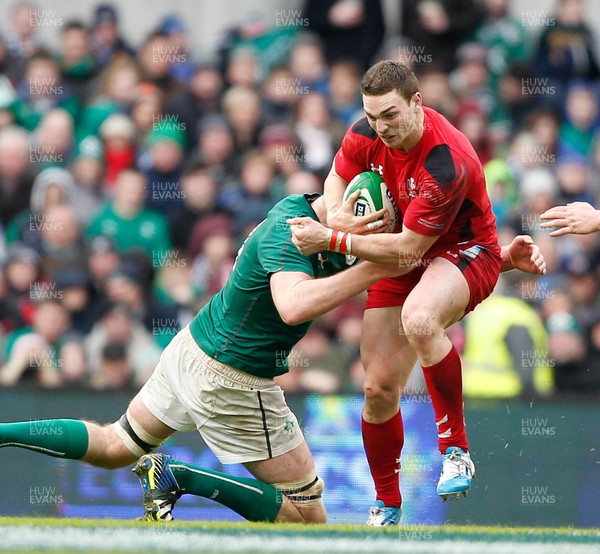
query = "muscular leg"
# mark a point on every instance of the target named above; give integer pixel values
(82, 440)
(296, 466)
(388, 360)
(439, 299)
(285, 488)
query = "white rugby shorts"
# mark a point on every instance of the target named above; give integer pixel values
(241, 417)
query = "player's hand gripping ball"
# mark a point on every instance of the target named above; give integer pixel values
(374, 195)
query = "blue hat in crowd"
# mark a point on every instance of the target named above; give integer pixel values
(172, 24)
(105, 13)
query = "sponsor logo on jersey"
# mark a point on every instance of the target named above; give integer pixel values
(377, 169)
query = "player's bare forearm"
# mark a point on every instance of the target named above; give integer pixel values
(320, 296)
(300, 298)
(404, 249)
(333, 191)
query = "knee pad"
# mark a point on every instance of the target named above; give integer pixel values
(306, 491)
(134, 437)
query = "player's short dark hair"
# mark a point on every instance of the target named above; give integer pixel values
(387, 76)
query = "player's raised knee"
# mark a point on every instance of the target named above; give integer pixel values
(418, 325)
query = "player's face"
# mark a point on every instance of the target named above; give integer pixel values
(397, 121)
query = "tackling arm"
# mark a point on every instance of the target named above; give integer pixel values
(400, 249)
(405, 248)
(299, 297)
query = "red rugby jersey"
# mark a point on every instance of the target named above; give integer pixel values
(439, 185)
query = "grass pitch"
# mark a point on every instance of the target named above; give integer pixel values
(105, 536)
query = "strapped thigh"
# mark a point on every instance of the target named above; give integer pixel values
(134, 437)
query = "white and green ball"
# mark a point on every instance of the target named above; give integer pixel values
(374, 195)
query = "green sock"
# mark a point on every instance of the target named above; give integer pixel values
(252, 499)
(60, 438)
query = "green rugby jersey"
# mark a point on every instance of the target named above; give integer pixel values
(240, 325)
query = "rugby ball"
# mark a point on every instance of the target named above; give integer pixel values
(374, 195)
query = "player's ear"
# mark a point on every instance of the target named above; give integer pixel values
(416, 102)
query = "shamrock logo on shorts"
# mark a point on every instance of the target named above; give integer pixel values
(289, 427)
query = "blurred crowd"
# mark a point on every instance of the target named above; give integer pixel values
(130, 175)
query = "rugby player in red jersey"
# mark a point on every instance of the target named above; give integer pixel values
(447, 228)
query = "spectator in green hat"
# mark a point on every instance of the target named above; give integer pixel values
(162, 164)
(88, 171)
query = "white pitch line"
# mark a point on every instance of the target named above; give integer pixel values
(167, 539)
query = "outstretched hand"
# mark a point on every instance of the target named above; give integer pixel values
(578, 218)
(523, 254)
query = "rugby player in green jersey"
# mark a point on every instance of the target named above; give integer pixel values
(217, 376)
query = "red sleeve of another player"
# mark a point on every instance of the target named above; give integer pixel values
(441, 190)
(350, 159)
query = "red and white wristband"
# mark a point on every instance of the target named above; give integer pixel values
(339, 241)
